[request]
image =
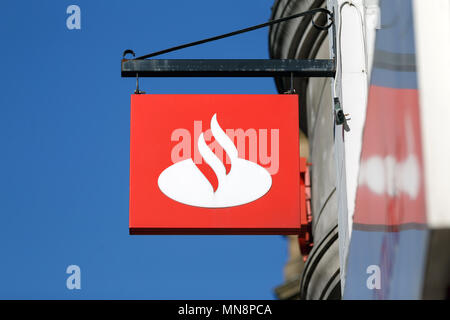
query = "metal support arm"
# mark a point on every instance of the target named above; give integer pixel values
(144, 67)
(227, 68)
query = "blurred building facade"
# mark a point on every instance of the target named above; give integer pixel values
(318, 278)
(393, 217)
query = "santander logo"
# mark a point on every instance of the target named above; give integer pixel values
(391, 176)
(245, 182)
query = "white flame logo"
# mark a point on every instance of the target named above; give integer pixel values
(185, 183)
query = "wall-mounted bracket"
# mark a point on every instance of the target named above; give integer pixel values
(144, 67)
(227, 68)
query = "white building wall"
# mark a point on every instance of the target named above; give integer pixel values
(356, 22)
(432, 31)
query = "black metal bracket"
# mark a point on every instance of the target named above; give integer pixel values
(339, 115)
(144, 67)
(227, 68)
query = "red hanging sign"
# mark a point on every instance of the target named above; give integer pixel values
(214, 164)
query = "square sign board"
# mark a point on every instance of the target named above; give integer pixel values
(214, 164)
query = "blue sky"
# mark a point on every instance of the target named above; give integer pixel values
(64, 164)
